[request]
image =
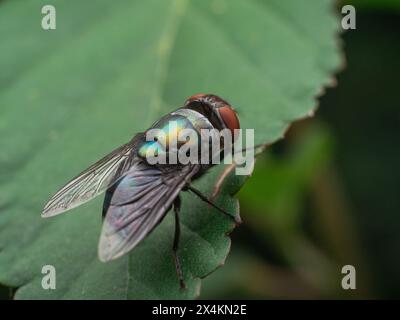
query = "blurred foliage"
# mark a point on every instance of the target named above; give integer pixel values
(71, 95)
(367, 155)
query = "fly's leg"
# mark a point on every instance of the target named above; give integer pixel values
(211, 203)
(177, 209)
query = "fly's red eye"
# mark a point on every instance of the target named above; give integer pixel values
(229, 117)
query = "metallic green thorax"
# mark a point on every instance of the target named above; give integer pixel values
(170, 127)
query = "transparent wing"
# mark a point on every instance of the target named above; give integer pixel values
(137, 205)
(93, 181)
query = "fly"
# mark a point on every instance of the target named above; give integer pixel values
(139, 194)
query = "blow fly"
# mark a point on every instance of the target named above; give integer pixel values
(139, 193)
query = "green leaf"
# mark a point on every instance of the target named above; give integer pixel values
(68, 96)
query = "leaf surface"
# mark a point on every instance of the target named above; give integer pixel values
(69, 96)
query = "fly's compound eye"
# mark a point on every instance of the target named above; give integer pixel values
(230, 119)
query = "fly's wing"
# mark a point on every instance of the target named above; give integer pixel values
(137, 205)
(93, 181)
